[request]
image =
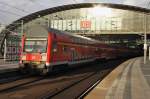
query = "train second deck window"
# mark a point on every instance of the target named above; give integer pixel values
(64, 48)
(54, 47)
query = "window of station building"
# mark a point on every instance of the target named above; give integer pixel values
(14, 49)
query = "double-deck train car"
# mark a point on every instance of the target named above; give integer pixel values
(43, 49)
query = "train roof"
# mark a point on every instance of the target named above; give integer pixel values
(72, 35)
(42, 31)
(36, 31)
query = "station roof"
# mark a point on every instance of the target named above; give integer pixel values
(11, 10)
(74, 6)
(82, 5)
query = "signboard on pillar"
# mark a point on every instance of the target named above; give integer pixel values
(145, 46)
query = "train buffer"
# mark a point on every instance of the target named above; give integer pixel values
(130, 80)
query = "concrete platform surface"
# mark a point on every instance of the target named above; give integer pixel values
(7, 66)
(130, 80)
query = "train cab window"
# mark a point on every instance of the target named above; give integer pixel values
(55, 47)
(35, 45)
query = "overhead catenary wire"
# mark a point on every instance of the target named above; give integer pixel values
(148, 4)
(11, 6)
(12, 13)
(37, 3)
(3, 18)
(75, 1)
(8, 12)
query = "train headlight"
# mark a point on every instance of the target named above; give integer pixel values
(23, 57)
(44, 56)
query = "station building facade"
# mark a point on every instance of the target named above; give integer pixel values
(94, 19)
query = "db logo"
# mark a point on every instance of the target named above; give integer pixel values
(33, 57)
(85, 24)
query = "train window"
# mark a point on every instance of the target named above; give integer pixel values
(64, 48)
(55, 36)
(96, 49)
(55, 47)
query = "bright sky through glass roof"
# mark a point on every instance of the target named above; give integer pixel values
(11, 10)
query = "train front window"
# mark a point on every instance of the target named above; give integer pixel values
(35, 46)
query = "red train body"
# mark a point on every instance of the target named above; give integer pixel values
(54, 48)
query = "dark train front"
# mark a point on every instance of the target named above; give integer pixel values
(34, 50)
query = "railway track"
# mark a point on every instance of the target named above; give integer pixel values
(15, 84)
(73, 87)
(8, 74)
(68, 85)
(13, 76)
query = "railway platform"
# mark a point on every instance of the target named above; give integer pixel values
(7, 66)
(130, 80)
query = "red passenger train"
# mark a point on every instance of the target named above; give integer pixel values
(44, 48)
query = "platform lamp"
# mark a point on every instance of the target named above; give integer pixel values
(145, 37)
(146, 25)
(22, 27)
(149, 51)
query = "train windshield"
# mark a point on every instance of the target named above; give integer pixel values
(35, 46)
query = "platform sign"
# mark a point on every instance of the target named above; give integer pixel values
(85, 24)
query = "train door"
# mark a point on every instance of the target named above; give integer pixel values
(73, 54)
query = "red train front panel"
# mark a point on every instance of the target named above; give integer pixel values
(34, 51)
